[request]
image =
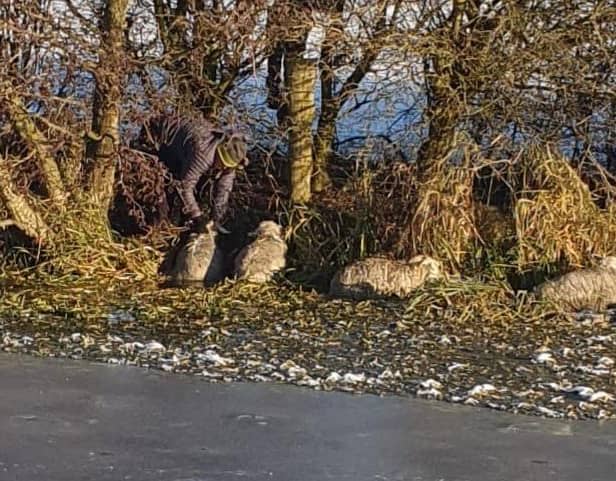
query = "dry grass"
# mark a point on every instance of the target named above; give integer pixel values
(84, 246)
(470, 302)
(458, 302)
(321, 239)
(553, 222)
(386, 212)
(557, 218)
(443, 223)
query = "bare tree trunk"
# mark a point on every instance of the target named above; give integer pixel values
(331, 101)
(443, 121)
(300, 76)
(330, 106)
(106, 116)
(285, 44)
(276, 98)
(326, 132)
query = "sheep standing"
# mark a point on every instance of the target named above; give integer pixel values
(199, 259)
(376, 276)
(259, 260)
(593, 288)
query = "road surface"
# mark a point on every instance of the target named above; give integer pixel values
(66, 420)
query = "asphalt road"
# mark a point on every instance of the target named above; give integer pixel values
(64, 421)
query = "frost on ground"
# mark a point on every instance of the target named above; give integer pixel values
(552, 369)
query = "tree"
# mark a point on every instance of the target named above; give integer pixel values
(68, 118)
(339, 49)
(491, 66)
(110, 75)
(37, 36)
(207, 47)
(491, 77)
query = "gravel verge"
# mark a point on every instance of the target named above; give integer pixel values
(436, 346)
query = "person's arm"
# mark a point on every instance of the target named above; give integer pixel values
(224, 186)
(199, 159)
(189, 201)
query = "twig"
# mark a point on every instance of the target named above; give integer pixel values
(5, 224)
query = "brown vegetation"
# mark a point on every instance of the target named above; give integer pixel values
(503, 164)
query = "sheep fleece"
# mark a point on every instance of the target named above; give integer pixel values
(199, 259)
(374, 277)
(259, 260)
(584, 289)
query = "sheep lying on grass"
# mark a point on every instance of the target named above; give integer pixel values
(593, 289)
(376, 277)
(259, 260)
(199, 259)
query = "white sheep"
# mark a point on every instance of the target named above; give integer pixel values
(377, 276)
(593, 288)
(259, 260)
(199, 259)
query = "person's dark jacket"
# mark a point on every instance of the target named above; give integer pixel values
(191, 148)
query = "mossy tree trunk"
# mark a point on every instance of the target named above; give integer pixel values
(284, 43)
(110, 79)
(300, 77)
(330, 103)
(291, 81)
(454, 73)
(37, 143)
(40, 218)
(288, 44)
(23, 215)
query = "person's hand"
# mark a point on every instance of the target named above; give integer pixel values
(198, 224)
(221, 229)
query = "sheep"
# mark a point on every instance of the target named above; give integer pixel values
(259, 260)
(199, 259)
(375, 277)
(592, 289)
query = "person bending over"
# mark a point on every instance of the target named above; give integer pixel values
(191, 147)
